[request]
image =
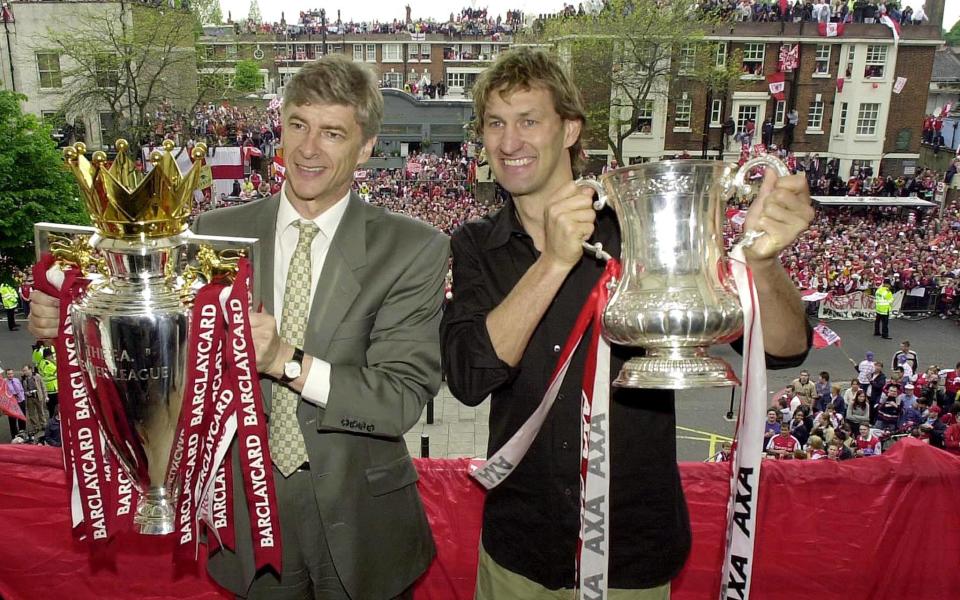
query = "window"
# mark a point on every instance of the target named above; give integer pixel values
(753, 60)
(106, 128)
(867, 119)
(859, 166)
(424, 51)
(391, 53)
(686, 58)
(851, 54)
(645, 118)
(716, 109)
(392, 80)
(747, 113)
(107, 71)
(48, 67)
(815, 116)
(822, 60)
(231, 52)
(413, 51)
(485, 51)
(780, 113)
(358, 52)
(457, 80)
(720, 55)
(371, 53)
(210, 52)
(681, 119)
(876, 62)
(842, 121)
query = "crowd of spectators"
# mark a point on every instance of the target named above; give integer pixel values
(470, 22)
(823, 11)
(221, 124)
(828, 420)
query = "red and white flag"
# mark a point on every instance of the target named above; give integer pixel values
(789, 57)
(823, 336)
(893, 25)
(736, 216)
(898, 84)
(830, 29)
(840, 81)
(7, 13)
(777, 85)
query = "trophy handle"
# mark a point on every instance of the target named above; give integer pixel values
(743, 188)
(596, 248)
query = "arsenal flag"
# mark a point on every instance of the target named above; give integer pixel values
(776, 83)
(830, 29)
(823, 336)
(893, 25)
(789, 57)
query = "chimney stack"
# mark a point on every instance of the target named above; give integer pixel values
(934, 10)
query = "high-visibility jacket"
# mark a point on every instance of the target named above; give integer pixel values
(48, 371)
(8, 295)
(884, 300)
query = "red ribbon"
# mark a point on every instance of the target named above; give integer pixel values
(241, 377)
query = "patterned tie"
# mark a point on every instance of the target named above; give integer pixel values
(286, 440)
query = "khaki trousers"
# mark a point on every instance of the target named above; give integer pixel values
(497, 583)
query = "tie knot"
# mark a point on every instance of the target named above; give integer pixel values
(308, 231)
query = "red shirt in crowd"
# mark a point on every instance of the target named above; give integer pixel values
(783, 445)
(869, 445)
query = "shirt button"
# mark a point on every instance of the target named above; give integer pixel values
(565, 445)
(559, 396)
(568, 492)
(556, 349)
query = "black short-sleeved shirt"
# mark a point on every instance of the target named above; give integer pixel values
(531, 520)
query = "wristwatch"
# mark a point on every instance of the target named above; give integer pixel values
(292, 368)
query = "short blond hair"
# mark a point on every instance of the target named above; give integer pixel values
(335, 79)
(521, 69)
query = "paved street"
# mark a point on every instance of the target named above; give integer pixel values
(459, 431)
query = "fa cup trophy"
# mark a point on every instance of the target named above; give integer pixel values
(674, 297)
(130, 325)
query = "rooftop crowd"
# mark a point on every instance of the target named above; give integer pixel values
(823, 11)
(216, 125)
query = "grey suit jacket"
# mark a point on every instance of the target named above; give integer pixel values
(375, 318)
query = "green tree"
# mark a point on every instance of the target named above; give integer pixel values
(246, 77)
(254, 13)
(952, 37)
(207, 12)
(628, 54)
(34, 185)
(124, 59)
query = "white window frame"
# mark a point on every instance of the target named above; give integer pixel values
(851, 57)
(371, 53)
(58, 73)
(745, 109)
(456, 79)
(780, 113)
(815, 117)
(876, 57)
(358, 52)
(645, 111)
(392, 53)
(716, 112)
(842, 115)
(864, 129)
(413, 51)
(751, 56)
(396, 79)
(103, 131)
(683, 106)
(821, 66)
(720, 55)
(424, 51)
(98, 72)
(686, 59)
(231, 52)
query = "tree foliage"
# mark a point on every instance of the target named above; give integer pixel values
(127, 65)
(952, 37)
(34, 185)
(207, 12)
(628, 53)
(246, 77)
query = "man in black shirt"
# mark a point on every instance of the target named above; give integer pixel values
(519, 279)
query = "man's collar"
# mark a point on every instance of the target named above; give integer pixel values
(505, 224)
(328, 221)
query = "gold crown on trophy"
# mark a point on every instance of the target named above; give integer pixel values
(126, 204)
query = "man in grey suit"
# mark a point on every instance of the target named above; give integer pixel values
(357, 292)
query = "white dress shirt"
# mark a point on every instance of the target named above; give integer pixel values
(316, 386)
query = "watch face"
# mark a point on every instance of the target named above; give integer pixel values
(291, 370)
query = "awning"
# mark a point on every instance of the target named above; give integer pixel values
(873, 201)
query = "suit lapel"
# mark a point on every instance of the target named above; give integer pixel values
(338, 286)
(267, 232)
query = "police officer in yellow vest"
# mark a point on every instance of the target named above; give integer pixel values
(884, 303)
(10, 299)
(47, 367)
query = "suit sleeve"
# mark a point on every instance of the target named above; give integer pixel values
(402, 372)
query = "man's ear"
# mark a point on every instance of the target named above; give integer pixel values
(366, 150)
(571, 131)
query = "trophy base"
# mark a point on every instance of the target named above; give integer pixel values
(155, 513)
(675, 369)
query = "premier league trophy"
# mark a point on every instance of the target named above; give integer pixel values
(132, 321)
(674, 298)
